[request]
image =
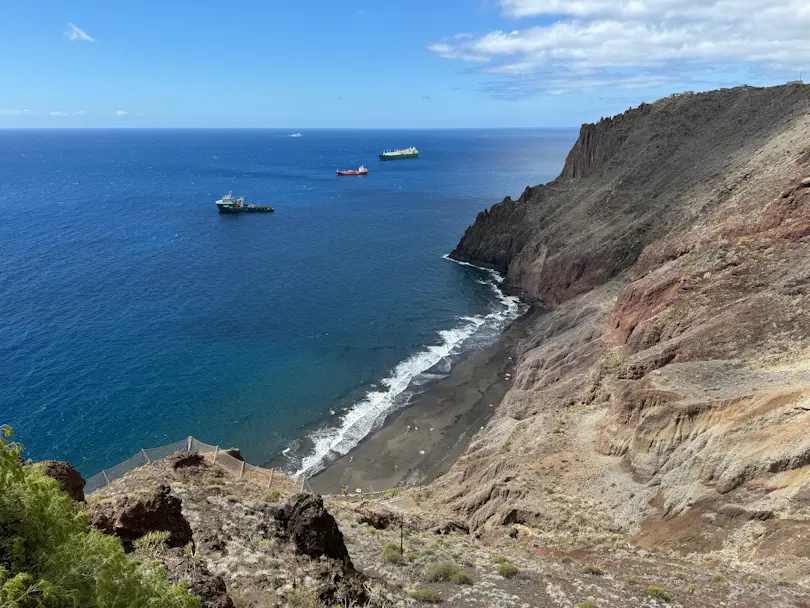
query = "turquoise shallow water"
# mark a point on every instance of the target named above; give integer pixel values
(132, 314)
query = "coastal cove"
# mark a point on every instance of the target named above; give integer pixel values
(139, 315)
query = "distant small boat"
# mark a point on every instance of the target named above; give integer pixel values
(400, 154)
(360, 171)
(295, 135)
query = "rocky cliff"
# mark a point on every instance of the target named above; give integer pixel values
(664, 396)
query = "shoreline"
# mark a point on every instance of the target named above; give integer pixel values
(417, 443)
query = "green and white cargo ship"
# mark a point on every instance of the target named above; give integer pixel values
(400, 154)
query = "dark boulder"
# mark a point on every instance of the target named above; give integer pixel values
(450, 527)
(130, 517)
(208, 587)
(187, 459)
(235, 453)
(314, 532)
(311, 528)
(69, 479)
(381, 520)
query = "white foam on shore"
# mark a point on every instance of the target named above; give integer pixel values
(392, 394)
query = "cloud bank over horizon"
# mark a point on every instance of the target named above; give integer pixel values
(588, 45)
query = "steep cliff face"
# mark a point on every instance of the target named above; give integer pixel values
(629, 181)
(665, 396)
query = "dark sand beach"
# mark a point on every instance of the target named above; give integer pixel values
(424, 439)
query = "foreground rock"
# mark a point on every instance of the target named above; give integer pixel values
(70, 480)
(314, 532)
(132, 516)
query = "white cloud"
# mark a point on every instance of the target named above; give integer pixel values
(57, 113)
(121, 112)
(449, 51)
(594, 43)
(74, 33)
(79, 113)
(16, 112)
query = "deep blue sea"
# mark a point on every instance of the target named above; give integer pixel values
(132, 314)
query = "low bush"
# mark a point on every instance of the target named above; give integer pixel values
(586, 604)
(391, 553)
(508, 570)
(658, 593)
(272, 496)
(302, 598)
(392, 493)
(428, 596)
(461, 578)
(441, 572)
(152, 544)
(591, 569)
(500, 559)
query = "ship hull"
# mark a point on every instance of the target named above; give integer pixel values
(398, 156)
(352, 172)
(246, 209)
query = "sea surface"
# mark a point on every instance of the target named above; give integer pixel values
(132, 314)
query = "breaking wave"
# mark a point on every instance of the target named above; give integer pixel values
(428, 365)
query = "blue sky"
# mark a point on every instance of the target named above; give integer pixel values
(406, 63)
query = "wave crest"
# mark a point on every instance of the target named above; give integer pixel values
(369, 413)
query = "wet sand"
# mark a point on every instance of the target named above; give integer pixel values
(424, 439)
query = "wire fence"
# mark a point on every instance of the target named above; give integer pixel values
(267, 478)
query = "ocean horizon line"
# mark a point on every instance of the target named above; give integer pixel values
(282, 129)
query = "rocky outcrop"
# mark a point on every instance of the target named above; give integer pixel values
(208, 587)
(70, 480)
(130, 517)
(235, 453)
(187, 459)
(311, 529)
(313, 532)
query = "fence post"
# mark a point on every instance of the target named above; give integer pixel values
(105, 477)
(242, 469)
(303, 479)
(189, 444)
(145, 456)
(272, 472)
(216, 449)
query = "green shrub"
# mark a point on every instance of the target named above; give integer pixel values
(508, 570)
(441, 572)
(50, 559)
(152, 544)
(586, 604)
(461, 578)
(657, 593)
(411, 555)
(591, 569)
(302, 598)
(391, 553)
(500, 559)
(392, 493)
(272, 496)
(428, 596)
(716, 578)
